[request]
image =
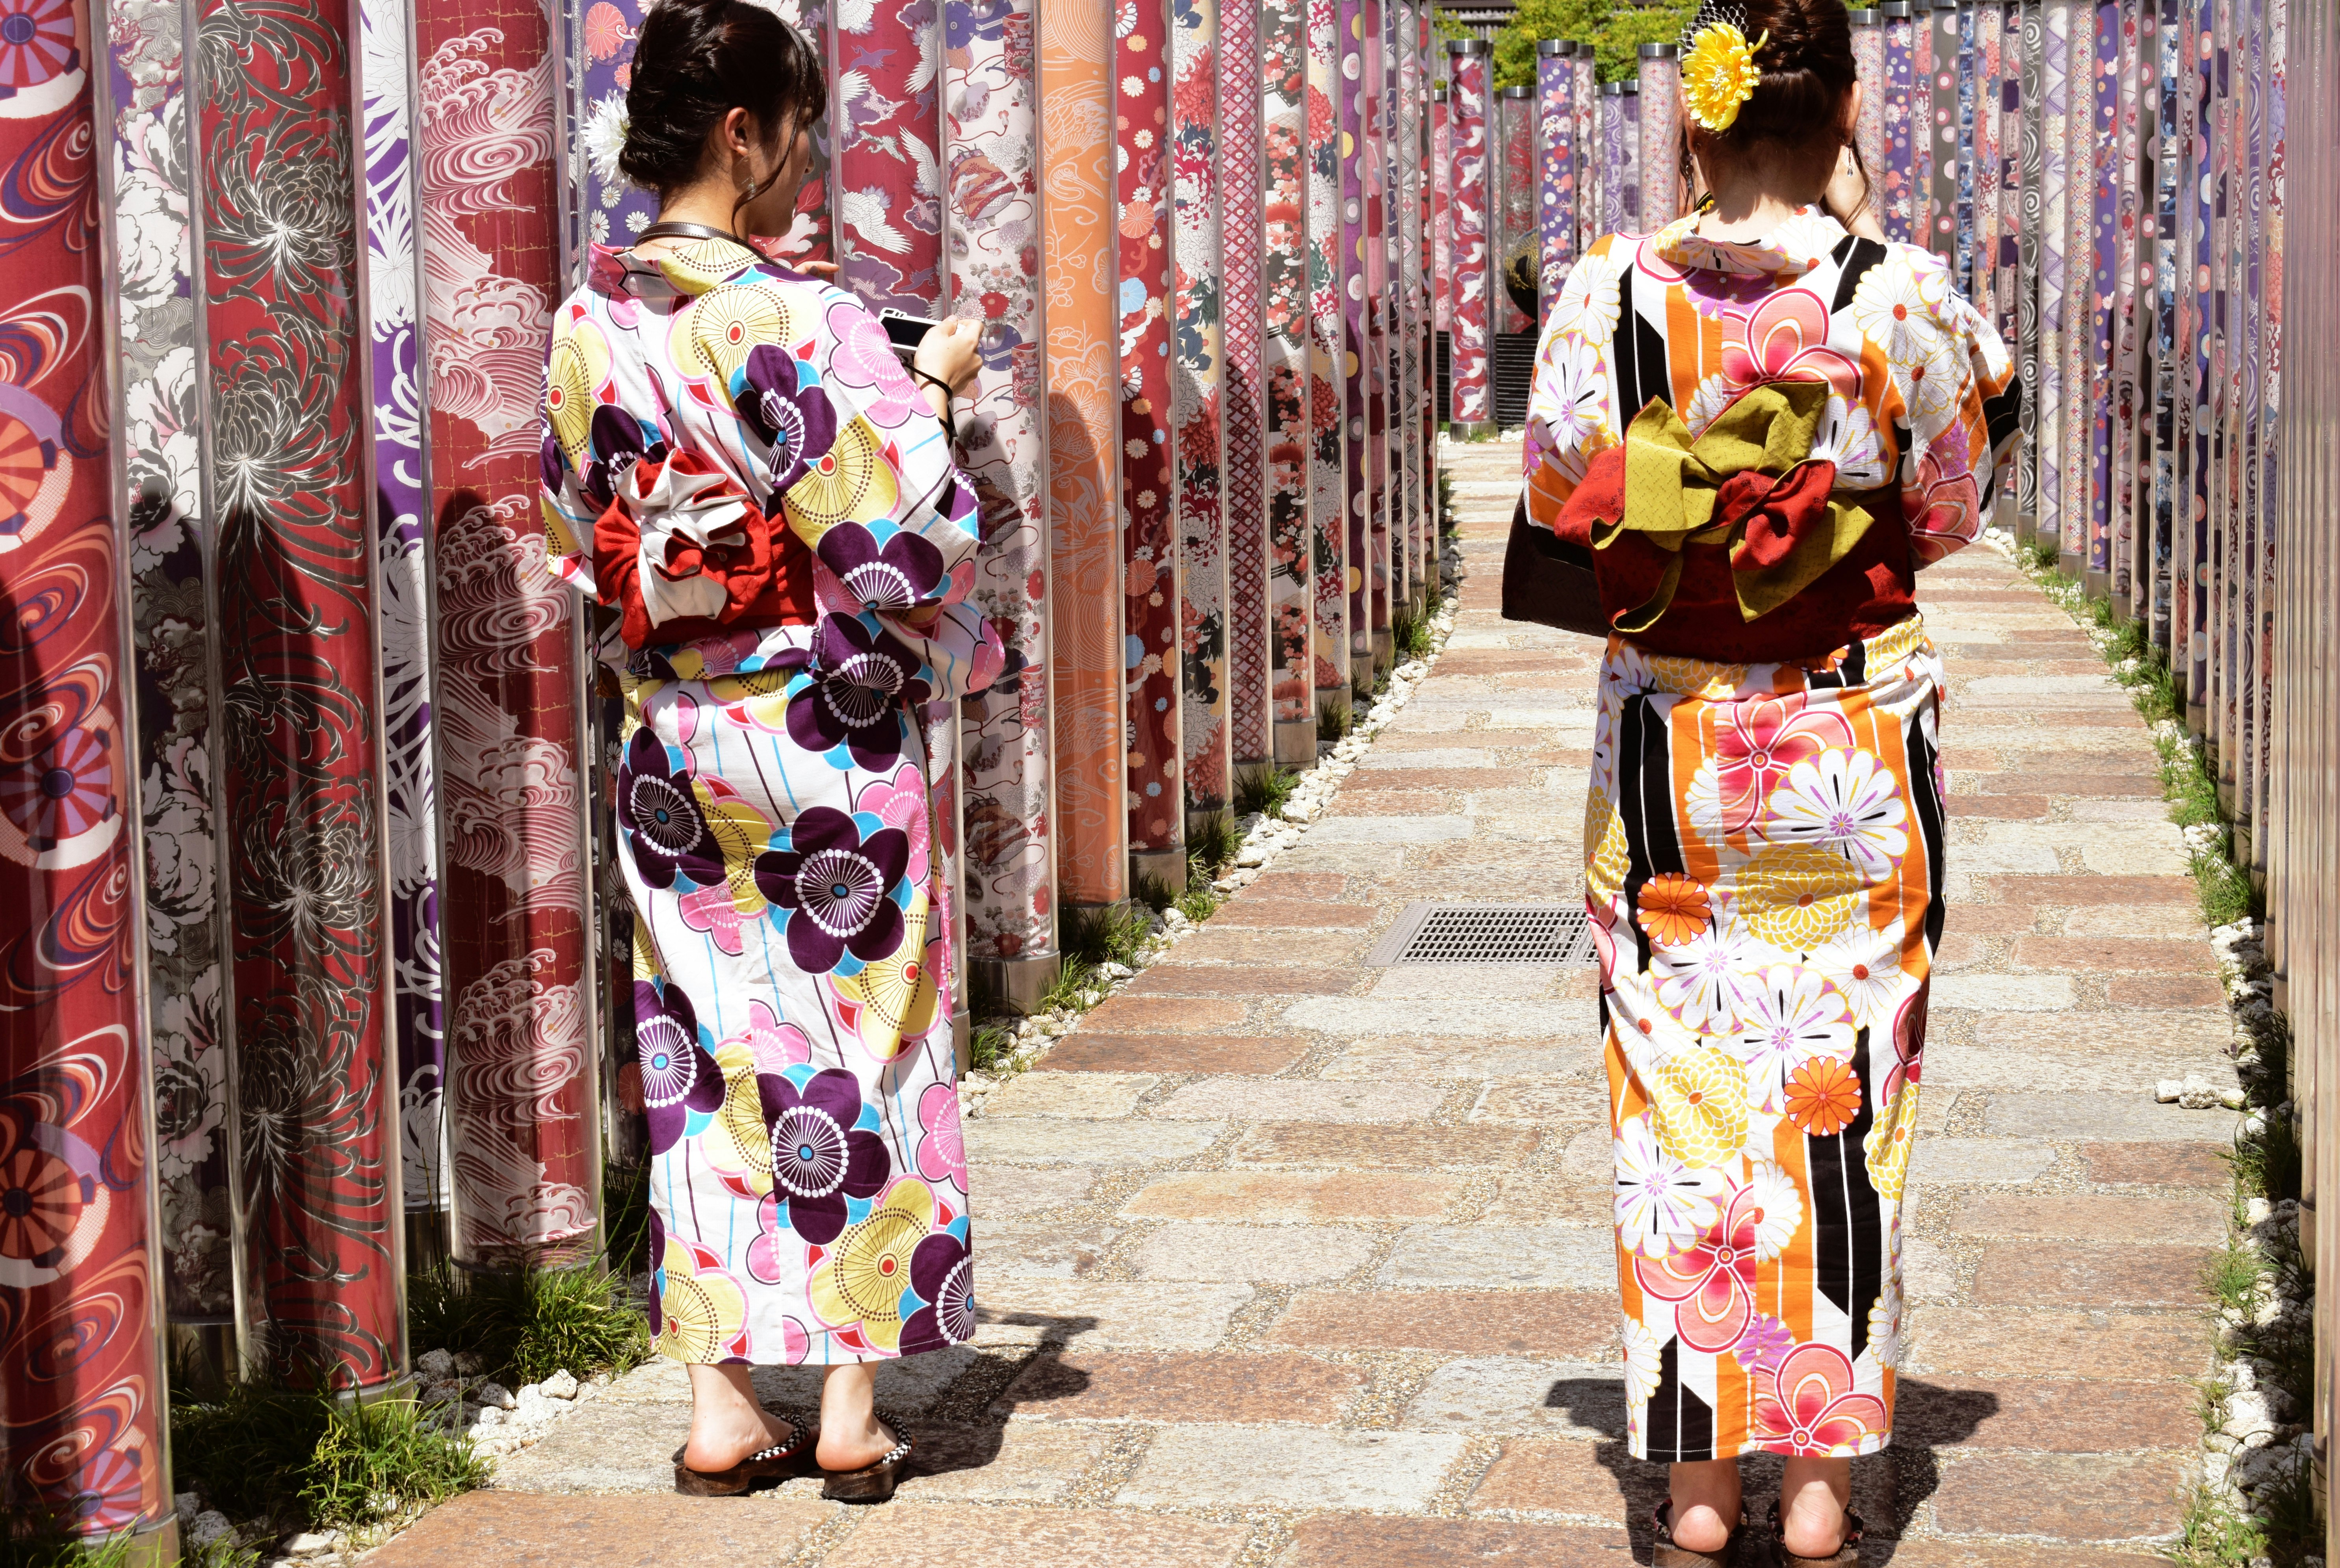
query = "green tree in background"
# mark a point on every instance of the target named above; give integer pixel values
(1616, 29)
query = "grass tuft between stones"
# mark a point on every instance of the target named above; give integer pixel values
(526, 1326)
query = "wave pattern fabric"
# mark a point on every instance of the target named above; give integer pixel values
(791, 1005)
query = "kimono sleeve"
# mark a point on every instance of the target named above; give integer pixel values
(564, 439)
(875, 493)
(1571, 405)
(1964, 401)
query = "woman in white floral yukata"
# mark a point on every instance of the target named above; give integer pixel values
(1755, 425)
(736, 464)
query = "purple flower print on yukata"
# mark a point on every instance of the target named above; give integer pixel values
(820, 1155)
(619, 440)
(660, 817)
(782, 402)
(907, 571)
(837, 887)
(860, 681)
(942, 1276)
(678, 1076)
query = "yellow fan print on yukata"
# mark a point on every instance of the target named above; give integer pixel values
(855, 481)
(894, 999)
(715, 332)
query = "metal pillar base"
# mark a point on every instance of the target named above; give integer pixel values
(963, 1041)
(2027, 529)
(1471, 429)
(2123, 611)
(1016, 984)
(1384, 650)
(2097, 584)
(428, 1243)
(1168, 865)
(1296, 742)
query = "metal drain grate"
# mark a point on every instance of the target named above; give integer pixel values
(1484, 934)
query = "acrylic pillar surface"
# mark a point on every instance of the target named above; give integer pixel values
(992, 233)
(2077, 340)
(1982, 93)
(1077, 244)
(1620, 158)
(1942, 128)
(1904, 122)
(1196, 399)
(1373, 271)
(1250, 666)
(1588, 149)
(1555, 173)
(401, 505)
(1285, 255)
(1441, 231)
(2030, 207)
(168, 780)
(1868, 135)
(83, 1428)
(1660, 136)
(885, 175)
(521, 1102)
(2054, 55)
(1467, 350)
(301, 747)
(1328, 477)
(1355, 361)
(1512, 201)
(1141, 130)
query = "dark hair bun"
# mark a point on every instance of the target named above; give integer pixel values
(694, 62)
(1807, 65)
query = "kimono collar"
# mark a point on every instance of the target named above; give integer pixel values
(1797, 244)
(689, 269)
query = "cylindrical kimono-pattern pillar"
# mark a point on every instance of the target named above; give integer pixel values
(1555, 166)
(1196, 389)
(1328, 355)
(1965, 62)
(1943, 56)
(1620, 158)
(2190, 556)
(170, 554)
(1586, 93)
(2131, 209)
(402, 499)
(1983, 159)
(317, 1123)
(2272, 81)
(1904, 136)
(1402, 67)
(1442, 227)
(1868, 138)
(1077, 101)
(2158, 279)
(1363, 289)
(2031, 225)
(885, 194)
(2077, 379)
(2104, 171)
(1472, 408)
(1660, 134)
(1287, 155)
(1141, 127)
(1353, 370)
(82, 1429)
(2051, 226)
(523, 1097)
(991, 229)
(1250, 704)
(1514, 202)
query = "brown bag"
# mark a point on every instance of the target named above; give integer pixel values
(1550, 582)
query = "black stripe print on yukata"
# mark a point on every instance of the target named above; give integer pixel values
(1848, 1257)
(1852, 671)
(1645, 799)
(1926, 814)
(1862, 255)
(1679, 1427)
(1627, 371)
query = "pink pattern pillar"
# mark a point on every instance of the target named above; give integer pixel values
(1140, 131)
(1441, 216)
(1473, 407)
(1869, 126)
(1663, 199)
(991, 214)
(82, 1429)
(1286, 256)
(1196, 389)
(1329, 353)
(1251, 713)
(1588, 148)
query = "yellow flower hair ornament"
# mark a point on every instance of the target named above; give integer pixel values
(1718, 73)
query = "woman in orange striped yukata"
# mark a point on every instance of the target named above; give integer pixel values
(1755, 425)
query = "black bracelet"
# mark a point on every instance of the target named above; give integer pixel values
(950, 425)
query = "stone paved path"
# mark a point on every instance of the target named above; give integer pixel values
(1289, 1260)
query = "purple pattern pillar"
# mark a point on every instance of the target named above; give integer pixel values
(2049, 225)
(1660, 135)
(1620, 158)
(1468, 69)
(1555, 166)
(1904, 136)
(1251, 740)
(1944, 51)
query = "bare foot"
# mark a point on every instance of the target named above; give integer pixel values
(851, 1435)
(726, 1425)
(1706, 1504)
(1813, 1495)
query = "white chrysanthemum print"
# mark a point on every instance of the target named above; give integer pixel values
(1779, 1209)
(1893, 306)
(1644, 1363)
(1590, 300)
(1790, 1016)
(1864, 964)
(1662, 1205)
(1848, 438)
(1699, 981)
(1706, 404)
(1841, 801)
(1571, 394)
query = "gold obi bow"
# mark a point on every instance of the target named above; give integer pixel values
(1678, 491)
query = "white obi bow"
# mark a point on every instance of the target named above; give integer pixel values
(696, 509)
